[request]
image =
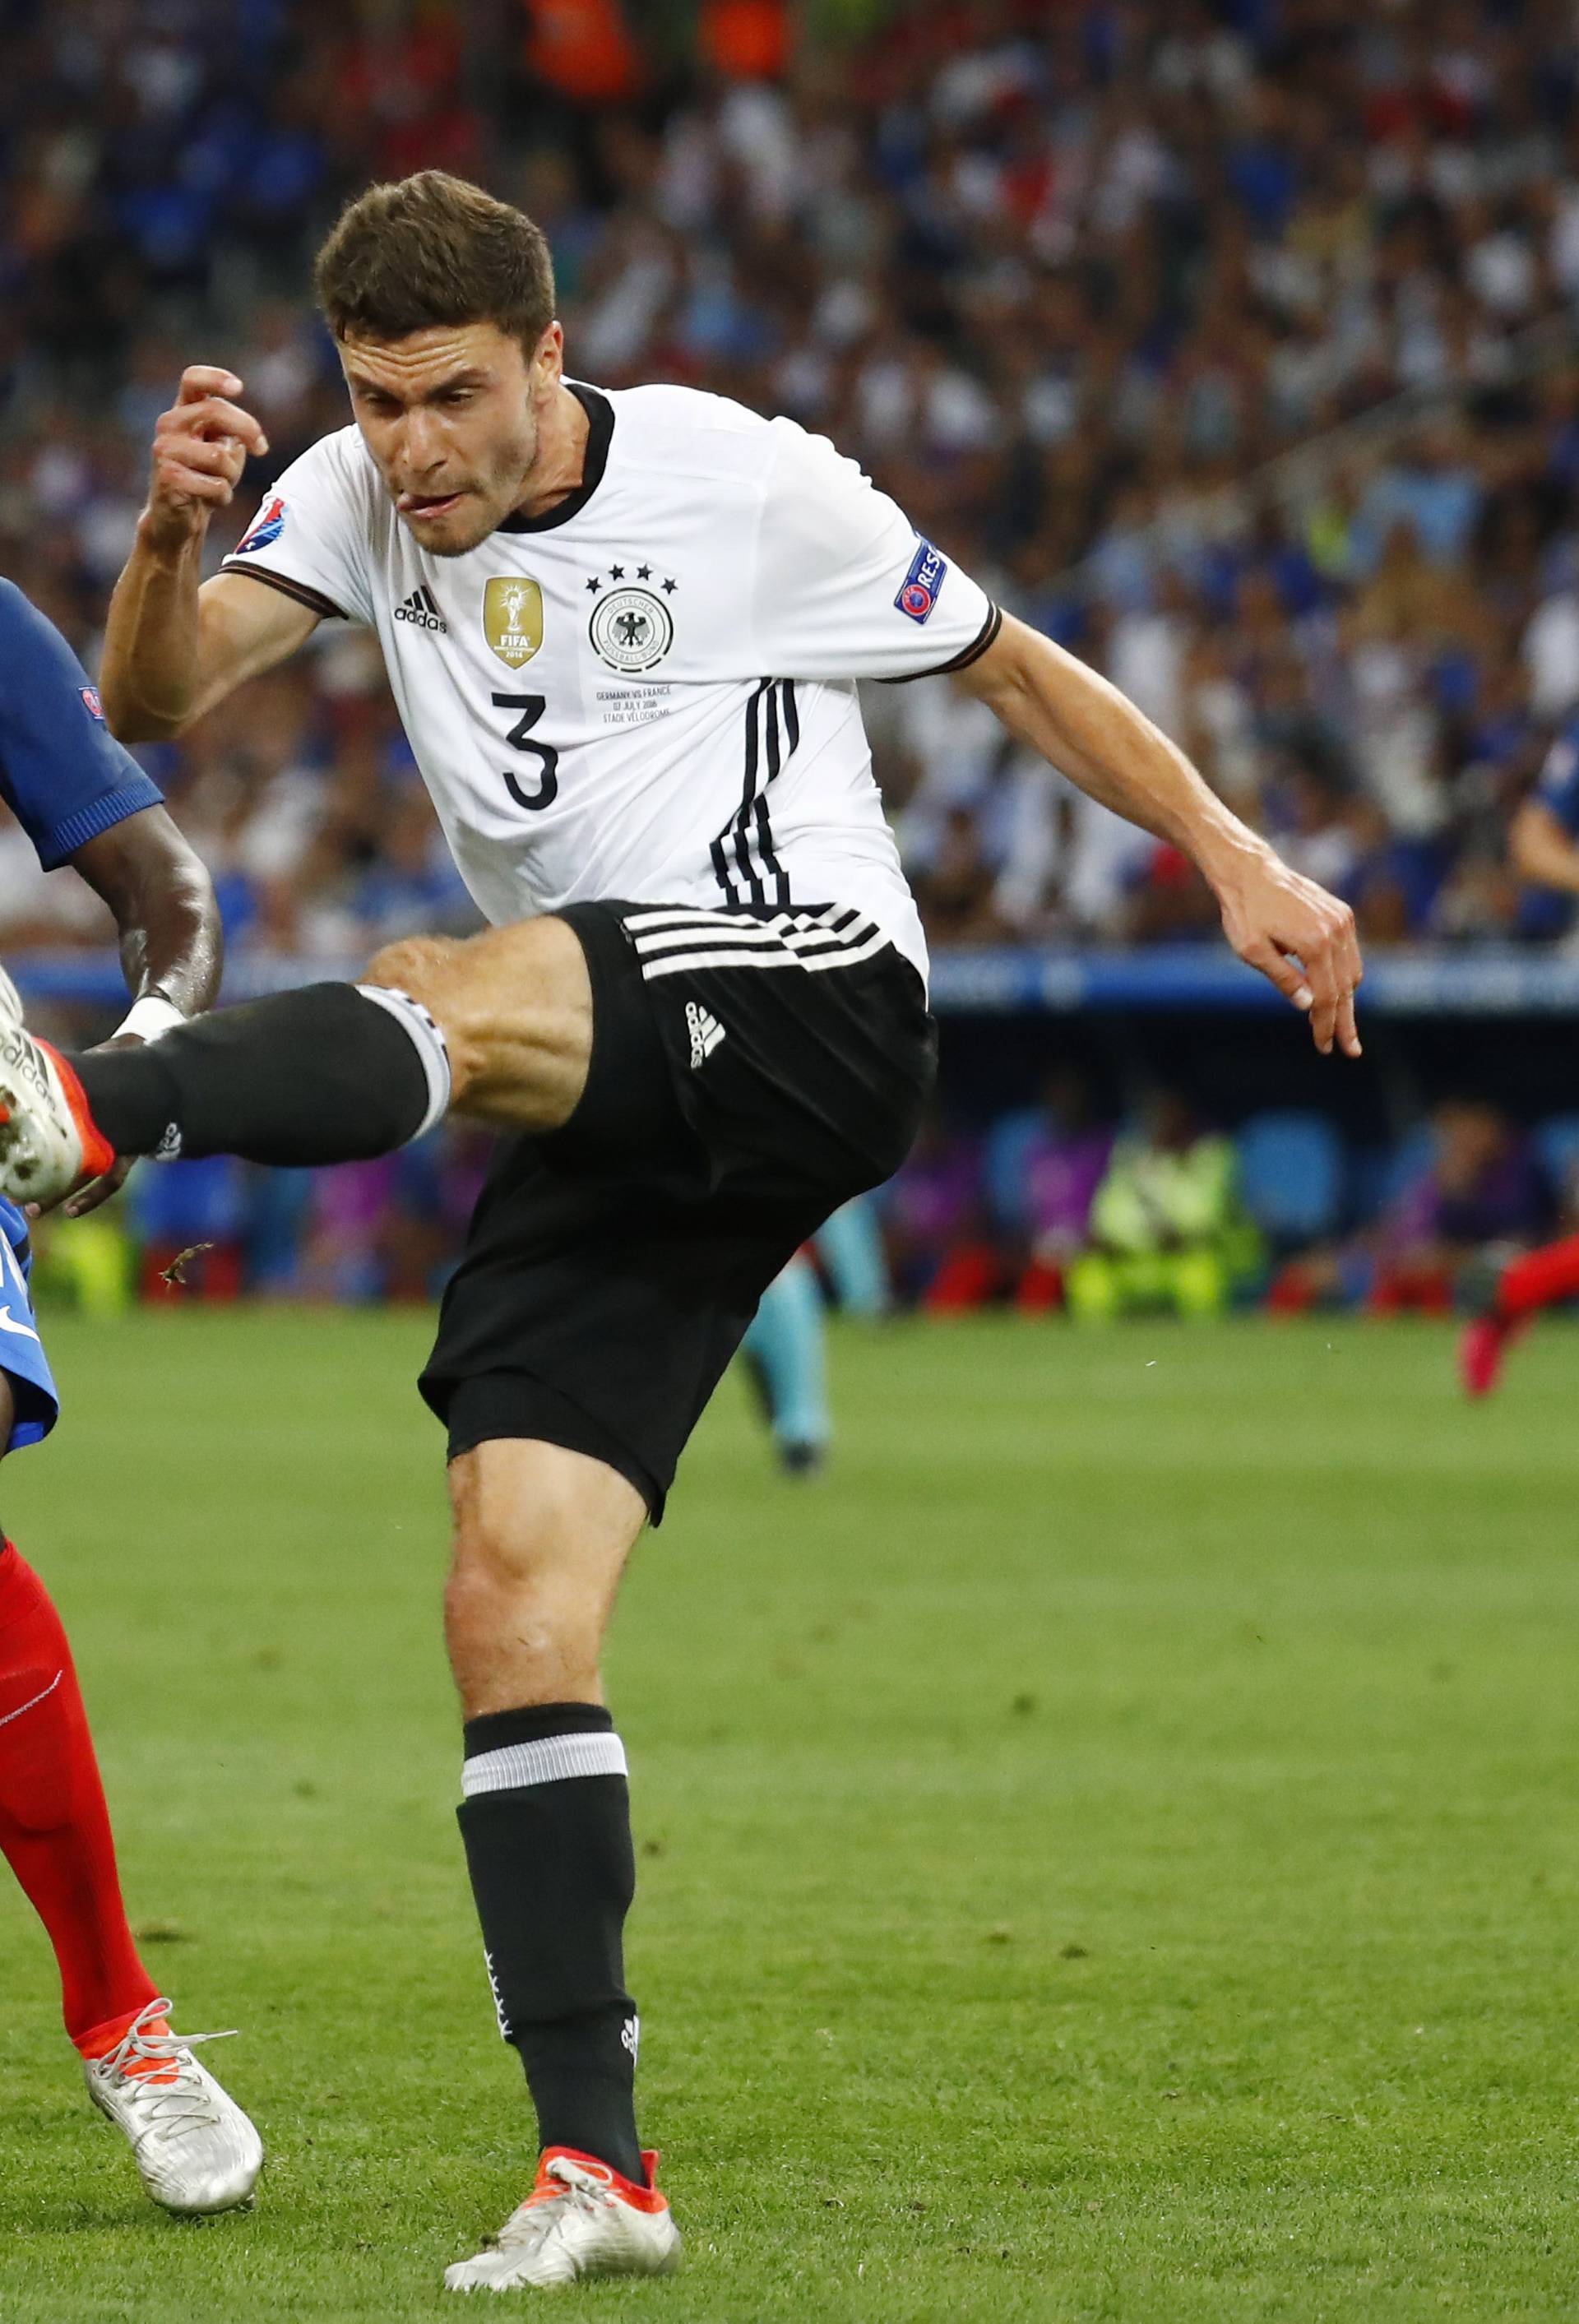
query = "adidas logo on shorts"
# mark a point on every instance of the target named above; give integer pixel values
(422, 608)
(706, 1033)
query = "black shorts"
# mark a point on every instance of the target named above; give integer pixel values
(751, 1070)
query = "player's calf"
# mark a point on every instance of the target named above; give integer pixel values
(541, 1533)
(332, 1073)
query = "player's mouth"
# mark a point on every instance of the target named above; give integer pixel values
(427, 504)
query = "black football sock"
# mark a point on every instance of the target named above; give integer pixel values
(547, 1825)
(331, 1072)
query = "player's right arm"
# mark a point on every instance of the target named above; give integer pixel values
(1543, 840)
(175, 644)
(1543, 851)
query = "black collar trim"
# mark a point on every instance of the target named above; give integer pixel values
(600, 417)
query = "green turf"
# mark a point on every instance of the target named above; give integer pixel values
(1109, 1851)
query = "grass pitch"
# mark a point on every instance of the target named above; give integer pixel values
(1109, 1851)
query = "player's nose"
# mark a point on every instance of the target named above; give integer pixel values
(423, 445)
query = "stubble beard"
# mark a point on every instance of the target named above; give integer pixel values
(514, 478)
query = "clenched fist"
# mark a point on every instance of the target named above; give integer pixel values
(200, 447)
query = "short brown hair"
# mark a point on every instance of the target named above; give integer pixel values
(432, 250)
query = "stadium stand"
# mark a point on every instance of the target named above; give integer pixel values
(1233, 346)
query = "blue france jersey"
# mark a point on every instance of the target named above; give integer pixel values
(62, 773)
(21, 1353)
(1558, 788)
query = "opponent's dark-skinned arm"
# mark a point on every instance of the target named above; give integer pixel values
(172, 946)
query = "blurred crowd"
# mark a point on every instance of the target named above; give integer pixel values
(1230, 342)
(1053, 1208)
(1057, 1209)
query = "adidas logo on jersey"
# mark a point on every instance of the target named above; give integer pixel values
(706, 1033)
(421, 608)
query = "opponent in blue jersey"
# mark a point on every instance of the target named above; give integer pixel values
(83, 801)
(29, 1413)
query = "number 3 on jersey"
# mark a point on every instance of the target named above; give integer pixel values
(531, 707)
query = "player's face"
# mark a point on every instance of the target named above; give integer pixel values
(453, 416)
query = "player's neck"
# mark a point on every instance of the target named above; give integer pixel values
(561, 456)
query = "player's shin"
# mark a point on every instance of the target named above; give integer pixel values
(54, 1826)
(331, 1072)
(786, 1344)
(546, 1820)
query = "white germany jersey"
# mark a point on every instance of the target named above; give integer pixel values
(650, 692)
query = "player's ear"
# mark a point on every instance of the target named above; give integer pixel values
(547, 364)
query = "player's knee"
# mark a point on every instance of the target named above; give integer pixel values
(484, 1601)
(433, 971)
(414, 965)
(523, 1550)
(515, 1623)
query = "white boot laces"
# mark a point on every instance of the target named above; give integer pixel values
(181, 2103)
(580, 2189)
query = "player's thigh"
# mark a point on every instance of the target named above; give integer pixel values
(514, 1005)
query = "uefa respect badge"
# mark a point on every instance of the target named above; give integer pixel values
(919, 590)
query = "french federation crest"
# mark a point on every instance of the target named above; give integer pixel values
(513, 617)
(631, 629)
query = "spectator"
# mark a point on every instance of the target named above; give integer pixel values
(1068, 283)
(1477, 1186)
(1167, 1227)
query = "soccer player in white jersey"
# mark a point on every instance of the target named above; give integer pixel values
(623, 630)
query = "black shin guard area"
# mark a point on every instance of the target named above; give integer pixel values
(322, 1075)
(553, 1873)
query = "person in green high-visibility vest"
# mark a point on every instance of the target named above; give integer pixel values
(1168, 1228)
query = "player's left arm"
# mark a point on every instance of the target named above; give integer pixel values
(172, 941)
(1299, 938)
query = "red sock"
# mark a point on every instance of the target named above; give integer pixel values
(54, 1825)
(1540, 1278)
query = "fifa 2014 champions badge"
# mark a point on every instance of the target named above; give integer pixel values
(264, 529)
(919, 590)
(513, 617)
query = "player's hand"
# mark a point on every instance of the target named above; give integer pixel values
(200, 447)
(99, 1190)
(1302, 939)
